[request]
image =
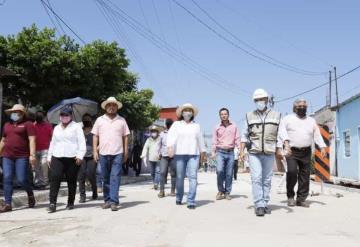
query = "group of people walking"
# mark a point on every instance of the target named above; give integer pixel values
(75, 151)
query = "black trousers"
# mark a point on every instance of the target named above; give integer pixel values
(87, 171)
(298, 165)
(58, 168)
(236, 168)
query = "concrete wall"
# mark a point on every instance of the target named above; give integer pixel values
(348, 118)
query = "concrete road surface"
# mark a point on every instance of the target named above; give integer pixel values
(145, 220)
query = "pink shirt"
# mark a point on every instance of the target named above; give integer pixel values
(225, 137)
(110, 133)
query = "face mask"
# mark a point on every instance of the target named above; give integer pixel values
(15, 116)
(87, 123)
(154, 135)
(301, 112)
(260, 105)
(187, 115)
(65, 119)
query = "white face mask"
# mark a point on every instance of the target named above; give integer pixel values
(187, 115)
(260, 105)
(154, 135)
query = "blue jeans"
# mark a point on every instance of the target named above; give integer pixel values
(155, 172)
(19, 167)
(261, 170)
(99, 177)
(224, 170)
(111, 172)
(189, 163)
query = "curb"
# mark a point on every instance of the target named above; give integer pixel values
(21, 199)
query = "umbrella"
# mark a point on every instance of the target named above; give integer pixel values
(79, 106)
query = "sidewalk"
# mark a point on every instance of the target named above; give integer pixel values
(20, 198)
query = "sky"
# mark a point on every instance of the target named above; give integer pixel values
(306, 34)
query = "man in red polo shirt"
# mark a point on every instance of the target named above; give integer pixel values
(43, 132)
(17, 147)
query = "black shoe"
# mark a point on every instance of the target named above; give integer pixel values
(82, 199)
(191, 206)
(302, 204)
(267, 210)
(94, 196)
(70, 206)
(178, 203)
(52, 208)
(31, 200)
(291, 202)
(260, 211)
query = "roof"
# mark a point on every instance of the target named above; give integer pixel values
(349, 100)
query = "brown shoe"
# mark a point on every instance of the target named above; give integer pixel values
(291, 202)
(161, 194)
(220, 196)
(5, 208)
(114, 207)
(302, 204)
(31, 200)
(228, 197)
(106, 205)
(172, 193)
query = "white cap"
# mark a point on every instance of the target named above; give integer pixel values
(260, 93)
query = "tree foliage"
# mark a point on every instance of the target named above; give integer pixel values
(52, 68)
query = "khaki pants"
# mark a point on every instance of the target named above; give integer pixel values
(41, 169)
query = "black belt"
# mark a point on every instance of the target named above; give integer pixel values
(301, 149)
(225, 150)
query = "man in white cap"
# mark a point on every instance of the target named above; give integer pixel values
(260, 137)
(110, 147)
(18, 149)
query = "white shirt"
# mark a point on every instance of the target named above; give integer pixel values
(186, 138)
(300, 132)
(67, 142)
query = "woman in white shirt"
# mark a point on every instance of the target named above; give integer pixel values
(66, 152)
(185, 143)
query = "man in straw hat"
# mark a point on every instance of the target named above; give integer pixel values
(110, 147)
(17, 147)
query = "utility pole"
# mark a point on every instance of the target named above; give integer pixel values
(329, 104)
(336, 88)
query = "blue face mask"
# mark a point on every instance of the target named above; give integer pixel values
(260, 105)
(15, 116)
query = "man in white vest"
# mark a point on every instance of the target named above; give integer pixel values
(260, 137)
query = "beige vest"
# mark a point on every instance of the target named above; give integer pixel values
(262, 131)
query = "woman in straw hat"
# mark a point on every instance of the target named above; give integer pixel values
(150, 152)
(17, 147)
(185, 143)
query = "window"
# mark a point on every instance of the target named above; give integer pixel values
(347, 143)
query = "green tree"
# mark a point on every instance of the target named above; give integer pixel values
(52, 68)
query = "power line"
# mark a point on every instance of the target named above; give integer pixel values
(56, 19)
(273, 35)
(249, 46)
(57, 16)
(51, 19)
(317, 87)
(236, 45)
(170, 50)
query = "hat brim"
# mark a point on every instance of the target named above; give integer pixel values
(9, 111)
(181, 108)
(103, 104)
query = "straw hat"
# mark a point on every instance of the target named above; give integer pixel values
(154, 128)
(111, 100)
(16, 107)
(186, 106)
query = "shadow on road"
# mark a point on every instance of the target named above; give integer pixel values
(203, 202)
(310, 202)
(275, 208)
(239, 196)
(131, 204)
